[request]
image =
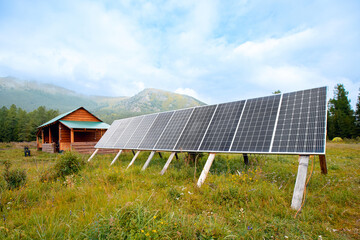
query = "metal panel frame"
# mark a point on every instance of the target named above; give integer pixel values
(207, 128)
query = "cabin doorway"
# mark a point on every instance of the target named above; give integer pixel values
(54, 129)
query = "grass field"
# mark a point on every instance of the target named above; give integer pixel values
(103, 202)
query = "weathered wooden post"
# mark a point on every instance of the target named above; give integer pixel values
(206, 169)
(116, 157)
(300, 182)
(323, 166)
(167, 163)
(133, 159)
(92, 155)
(148, 160)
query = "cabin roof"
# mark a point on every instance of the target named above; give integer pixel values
(63, 115)
(87, 125)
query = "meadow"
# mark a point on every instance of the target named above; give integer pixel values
(237, 201)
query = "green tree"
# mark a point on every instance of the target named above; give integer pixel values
(341, 120)
(3, 116)
(18, 125)
(357, 115)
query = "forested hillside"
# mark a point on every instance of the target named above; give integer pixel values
(17, 125)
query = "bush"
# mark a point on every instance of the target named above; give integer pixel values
(68, 164)
(15, 178)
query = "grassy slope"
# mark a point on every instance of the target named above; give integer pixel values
(111, 202)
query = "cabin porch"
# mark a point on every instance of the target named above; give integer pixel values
(59, 137)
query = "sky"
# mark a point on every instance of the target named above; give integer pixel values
(216, 51)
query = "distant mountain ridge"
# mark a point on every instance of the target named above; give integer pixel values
(29, 95)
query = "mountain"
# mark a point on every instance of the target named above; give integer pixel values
(29, 95)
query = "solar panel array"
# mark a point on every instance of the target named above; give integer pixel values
(290, 123)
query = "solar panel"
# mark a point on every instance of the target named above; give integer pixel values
(195, 129)
(110, 131)
(140, 131)
(174, 129)
(256, 125)
(301, 123)
(292, 123)
(222, 128)
(117, 133)
(128, 132)
(155, 131)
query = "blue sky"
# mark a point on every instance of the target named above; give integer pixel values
(216, 51)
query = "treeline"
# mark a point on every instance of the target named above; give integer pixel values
(18, 125)
(343, 121)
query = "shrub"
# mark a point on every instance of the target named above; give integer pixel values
(68, 164)
(14, 178)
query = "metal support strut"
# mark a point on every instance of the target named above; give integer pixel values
(246, 158)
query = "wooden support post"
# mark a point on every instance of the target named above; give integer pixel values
(37, 142)
(72, 136)
(116, 157)
(206, 169)
(42, 136)
(323, 166)
(177, 157)
(300, 182)
(148, 160)
(191, 156)
(246, 158)
(160, 155)
(133, 159)
(167, 163)
(50, 140)
(92, 155)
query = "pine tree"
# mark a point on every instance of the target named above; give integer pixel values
(341, 120)
(357, 115)
(11, 126)
(3, 116)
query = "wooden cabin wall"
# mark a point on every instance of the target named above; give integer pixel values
(80, 115)
(64, 138)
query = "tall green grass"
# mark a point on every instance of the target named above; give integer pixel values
(236, 201)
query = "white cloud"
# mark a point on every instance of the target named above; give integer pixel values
(187, 91)
(206, 49)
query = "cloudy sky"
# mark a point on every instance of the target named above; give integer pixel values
(216, 51)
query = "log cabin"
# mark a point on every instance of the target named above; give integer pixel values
(77, 130)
